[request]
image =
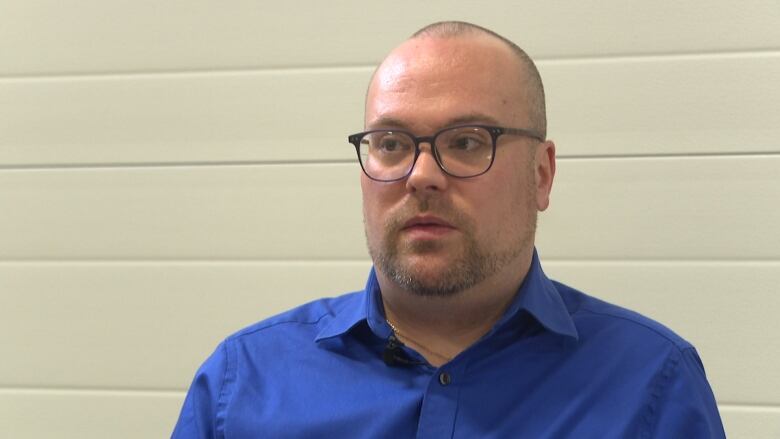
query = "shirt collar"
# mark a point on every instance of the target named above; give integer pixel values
(366, 308)
(537, 295)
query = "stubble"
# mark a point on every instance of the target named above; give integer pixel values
(471, 262)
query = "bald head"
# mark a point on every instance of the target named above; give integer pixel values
(530, 100)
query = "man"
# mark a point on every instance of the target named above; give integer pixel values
(458, 333)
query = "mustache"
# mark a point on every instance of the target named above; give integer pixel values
(427, 206)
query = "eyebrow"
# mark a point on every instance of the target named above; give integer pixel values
(471, 118)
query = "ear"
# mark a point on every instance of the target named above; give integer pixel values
(544, 166)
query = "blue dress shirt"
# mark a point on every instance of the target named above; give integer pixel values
(558, 364)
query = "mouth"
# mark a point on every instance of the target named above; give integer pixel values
(424, 226)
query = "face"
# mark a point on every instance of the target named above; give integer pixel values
(436, 235)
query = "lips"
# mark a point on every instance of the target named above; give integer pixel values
(426, 222)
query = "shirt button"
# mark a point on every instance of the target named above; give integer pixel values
(444, 378)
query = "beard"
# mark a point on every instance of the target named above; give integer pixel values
(471, 262)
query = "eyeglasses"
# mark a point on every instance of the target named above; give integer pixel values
(461, 151)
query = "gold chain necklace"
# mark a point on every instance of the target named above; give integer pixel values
(401, 335)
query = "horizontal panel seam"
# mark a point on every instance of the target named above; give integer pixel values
(282, 163)
(328, 262)
(180, 393)
(663, 56)
(749, 406)
(181, 164)
(141, 74)
(363, 67)
(715, 261)
(173, 261)
(43, 390)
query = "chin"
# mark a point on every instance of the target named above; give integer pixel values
(423, 277)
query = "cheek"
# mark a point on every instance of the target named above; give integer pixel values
(377, 200)
(369, 210)
(369, 192)
(485, 206)
(503, 207)
(493, 213)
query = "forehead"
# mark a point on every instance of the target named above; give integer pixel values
(427, 82)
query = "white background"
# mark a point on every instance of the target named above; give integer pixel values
(173, 171)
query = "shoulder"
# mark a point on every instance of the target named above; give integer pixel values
(291, 333)
(307, 318)
(593, 316)
(646, 354)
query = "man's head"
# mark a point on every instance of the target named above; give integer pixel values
(529, 75)
(434, 234)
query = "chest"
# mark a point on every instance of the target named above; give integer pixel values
(538, 397)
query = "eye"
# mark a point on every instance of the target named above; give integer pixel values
(466, 142)
(392, 143)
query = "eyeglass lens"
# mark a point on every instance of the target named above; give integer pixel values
(461, 152)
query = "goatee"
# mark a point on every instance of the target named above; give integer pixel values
(471, 263)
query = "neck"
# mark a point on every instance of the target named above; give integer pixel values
(441, 327)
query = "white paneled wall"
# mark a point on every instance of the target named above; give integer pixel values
(173, 171)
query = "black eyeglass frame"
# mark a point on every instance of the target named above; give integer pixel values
(495, 133)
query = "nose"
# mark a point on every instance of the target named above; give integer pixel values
(426, 175)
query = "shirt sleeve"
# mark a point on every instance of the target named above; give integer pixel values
(201, 409)
(685, 405)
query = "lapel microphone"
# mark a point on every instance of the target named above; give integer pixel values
(395, 356)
